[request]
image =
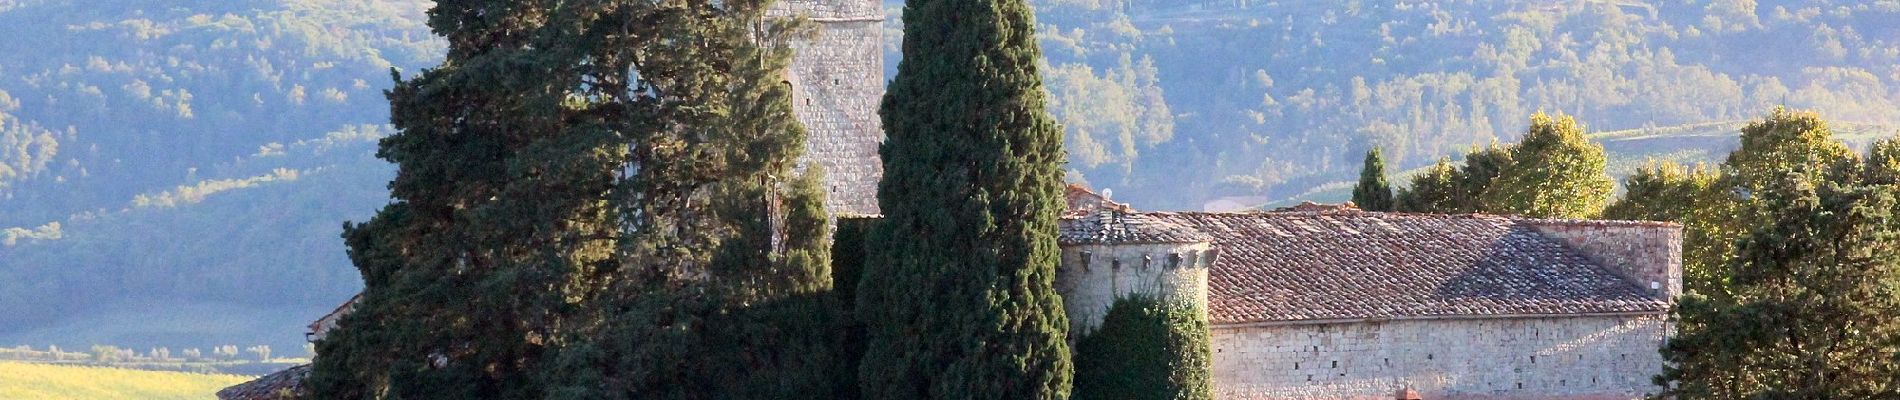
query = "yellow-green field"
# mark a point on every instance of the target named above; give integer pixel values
(25, 381)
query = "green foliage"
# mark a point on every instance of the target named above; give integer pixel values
(1435, 190)
(1693, 197)
(959, 300)
(587, 211)
(1146, 348)
(1373, 193)
(1789, 266)
(1445, 189)
(1554, 173)
(1812, 293)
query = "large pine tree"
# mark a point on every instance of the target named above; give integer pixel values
(574, 180)
(958, 296)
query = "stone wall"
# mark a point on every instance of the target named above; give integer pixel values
(1583, 357)
(1092, 277)
(1647, 253)
(837, 82)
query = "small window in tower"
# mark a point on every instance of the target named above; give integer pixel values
(834, 82)
(808, 101)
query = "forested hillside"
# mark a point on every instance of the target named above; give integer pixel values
(177, 173)
(1270, 98)
(162, 159)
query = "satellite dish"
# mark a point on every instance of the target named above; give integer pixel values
(1108, 194)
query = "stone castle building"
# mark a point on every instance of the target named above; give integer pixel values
(1319, 302)
(1312, 302)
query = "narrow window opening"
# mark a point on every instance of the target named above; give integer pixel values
(1520, 385)
(1335, 363)
(1428, 356)
(1296, 365)
(1533, 359)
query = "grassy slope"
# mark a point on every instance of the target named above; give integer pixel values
(40, 381)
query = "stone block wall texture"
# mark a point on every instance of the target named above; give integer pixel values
(1089, 285)
(1643, 252)
(837, 80)
(1578, 358)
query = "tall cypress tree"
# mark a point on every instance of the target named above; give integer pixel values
(1373, 192)
(958, 297)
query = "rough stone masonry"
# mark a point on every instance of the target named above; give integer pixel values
(837, 80)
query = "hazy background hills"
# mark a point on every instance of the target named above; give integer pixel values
(177, 175)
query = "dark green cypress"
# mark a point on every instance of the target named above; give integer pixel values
(1147, 348)
(958, 296)
(1373, 192)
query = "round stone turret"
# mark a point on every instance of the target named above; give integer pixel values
(1109, 254)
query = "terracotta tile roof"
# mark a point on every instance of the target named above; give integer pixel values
(1082, 202)
(1297, 266)
(283, 385)
(1110, 227)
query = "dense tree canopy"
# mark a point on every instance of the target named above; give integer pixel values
(1789, 266)
(587, 211)
(1554, 173)
(959, 298)
(1147, 348)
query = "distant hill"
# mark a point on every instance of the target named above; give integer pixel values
(173, 158)
(177, 173)
(1271, 98)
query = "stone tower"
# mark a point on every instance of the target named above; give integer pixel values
(837, 82)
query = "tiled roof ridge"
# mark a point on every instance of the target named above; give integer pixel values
(1293, 266)
(1109, 226)
(1400, 214)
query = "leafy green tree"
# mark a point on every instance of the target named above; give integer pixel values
(1449, 189)
(1786, 140)
(1434, 191)
(1479, 174)
(592, 210)
(1814, 289)
(1555, 173)
(1373, 192)
(1146, 348)
(959, 299)
(1693, 197)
